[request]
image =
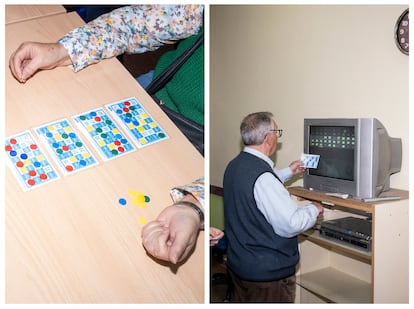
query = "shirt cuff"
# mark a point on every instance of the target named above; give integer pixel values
(196, 189)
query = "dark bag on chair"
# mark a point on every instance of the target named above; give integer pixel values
(192, 130)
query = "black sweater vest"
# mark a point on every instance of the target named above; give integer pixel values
(254, 252)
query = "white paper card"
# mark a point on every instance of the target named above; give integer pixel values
(309, 160)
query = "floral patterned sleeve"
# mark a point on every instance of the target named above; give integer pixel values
(131, 29)
(196, 189)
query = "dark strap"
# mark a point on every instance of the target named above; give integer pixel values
(192, 130)
(161, 80)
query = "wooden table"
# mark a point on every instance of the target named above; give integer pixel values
(70, 241)
(18, 13)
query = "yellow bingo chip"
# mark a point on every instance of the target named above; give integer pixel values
(142, 220)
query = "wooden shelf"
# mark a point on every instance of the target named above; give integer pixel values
(337, 201)
(355, 252)
(341, 273)
(350, 203)
(336, 286)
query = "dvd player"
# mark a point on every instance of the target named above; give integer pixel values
(352, 231)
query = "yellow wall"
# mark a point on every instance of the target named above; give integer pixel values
(301, 62)
(216, 211)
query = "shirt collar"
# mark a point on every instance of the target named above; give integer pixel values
(259, 154)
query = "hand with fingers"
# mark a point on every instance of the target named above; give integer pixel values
(31, 57)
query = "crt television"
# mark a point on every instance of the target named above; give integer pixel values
(357, 156)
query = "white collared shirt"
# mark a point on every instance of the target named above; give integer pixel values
(274, 201)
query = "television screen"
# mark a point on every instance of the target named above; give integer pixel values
(356, 156)
(336, 147)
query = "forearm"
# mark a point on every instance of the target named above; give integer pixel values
(190, 202)
(131, 29)
(282, 213)
(284, 174)
(193, 193)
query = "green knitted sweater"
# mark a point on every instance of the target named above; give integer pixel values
(184, 93)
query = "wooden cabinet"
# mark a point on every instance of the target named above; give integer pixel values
(330, 271)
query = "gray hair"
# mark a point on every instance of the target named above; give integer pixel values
(255, 126)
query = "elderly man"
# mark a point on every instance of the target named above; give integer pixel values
(261, 220)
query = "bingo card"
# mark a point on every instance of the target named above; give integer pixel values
(103, 133)
(69, 151)
(28, 161)
(309, 160)
(137, 122)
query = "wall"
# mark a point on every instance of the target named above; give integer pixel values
(301, 61)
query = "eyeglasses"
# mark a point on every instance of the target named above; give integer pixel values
(278, 131)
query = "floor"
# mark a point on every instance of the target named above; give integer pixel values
(218, 277)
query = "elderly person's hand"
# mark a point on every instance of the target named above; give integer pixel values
(297, 167)
(215, 235)
(172, 236)
(31, 57)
